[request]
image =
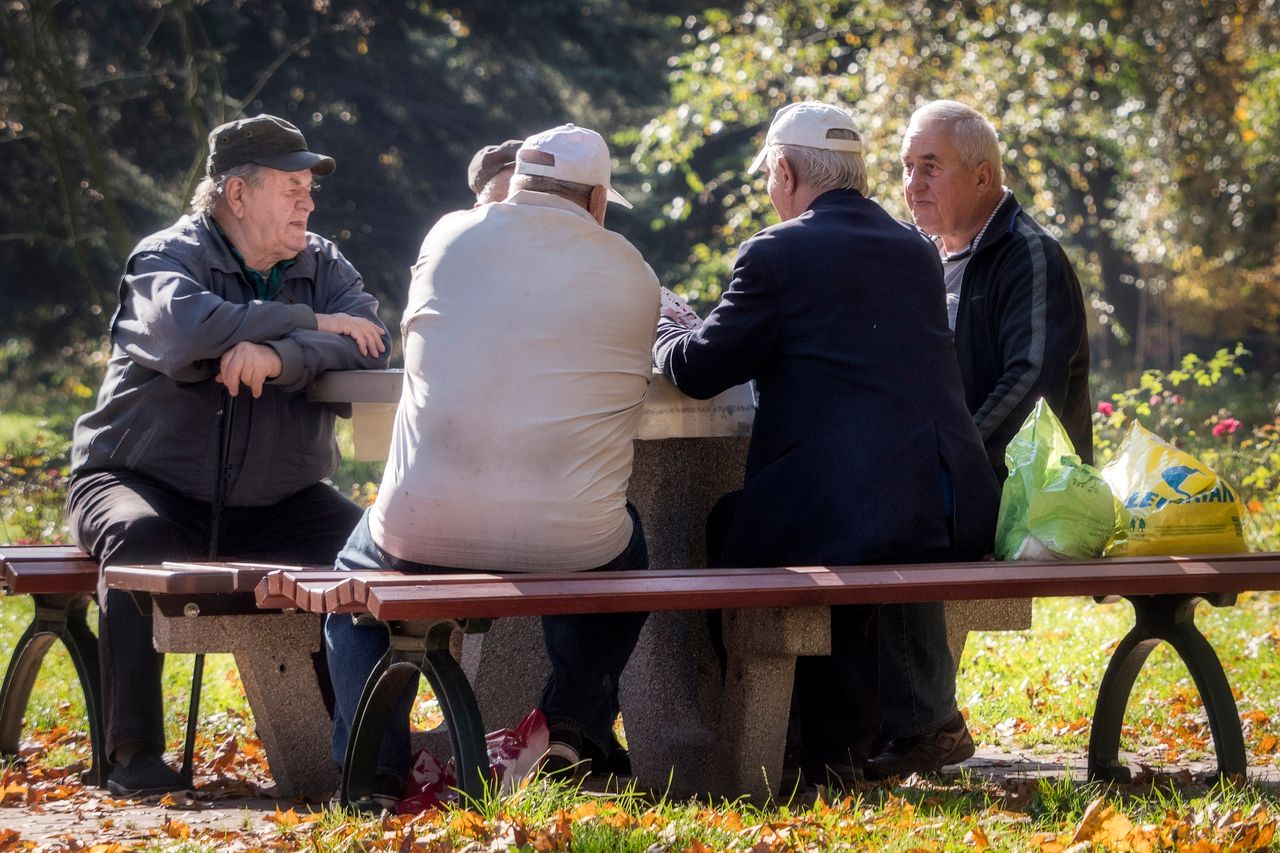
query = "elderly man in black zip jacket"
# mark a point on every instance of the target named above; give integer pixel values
(237, 298)
(1012, 297)
(863, 450)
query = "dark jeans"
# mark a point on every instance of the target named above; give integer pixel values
(121, 517)
(587, 653)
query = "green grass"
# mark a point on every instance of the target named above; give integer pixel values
(57, 705)
(1043, 680)
(1036, 689)
(18, 427)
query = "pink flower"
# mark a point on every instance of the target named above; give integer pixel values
(1155, 399)
(1177, 399)
(1226, 426)
(1105, 409)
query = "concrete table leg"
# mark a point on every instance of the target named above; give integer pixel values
(273, 654)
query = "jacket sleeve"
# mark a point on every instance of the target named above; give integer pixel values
(731, 343)
(170, 323)
(304, 353)
(1039, 322)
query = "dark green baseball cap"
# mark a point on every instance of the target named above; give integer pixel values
(264, 140)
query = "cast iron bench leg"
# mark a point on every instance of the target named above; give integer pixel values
(1170, 618)
(57, 617)
(416, 648)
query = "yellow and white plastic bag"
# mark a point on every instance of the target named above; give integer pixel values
(1176, 505)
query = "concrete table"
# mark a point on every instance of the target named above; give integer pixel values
(689, 729)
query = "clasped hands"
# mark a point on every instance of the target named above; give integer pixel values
(251, 364)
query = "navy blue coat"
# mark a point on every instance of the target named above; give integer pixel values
(839, 316)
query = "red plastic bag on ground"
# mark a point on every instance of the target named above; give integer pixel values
(513, 755)
(431, 784)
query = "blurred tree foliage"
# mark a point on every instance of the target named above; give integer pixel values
(1144, 134)
(105, 107)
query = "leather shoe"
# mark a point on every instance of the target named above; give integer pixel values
(925, 753)
(146, 775)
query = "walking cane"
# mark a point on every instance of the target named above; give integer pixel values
(226, 414)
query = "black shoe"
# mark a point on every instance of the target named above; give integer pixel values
(565, 755)
(925, 753)
(146, 775)
(385, 796)
(617, 763)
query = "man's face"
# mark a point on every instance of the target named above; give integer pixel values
(941, 192)
(276, 213)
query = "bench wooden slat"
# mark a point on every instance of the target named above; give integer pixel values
(38, 569)
(610, 593)
(342, 592)
(189, 578)
(41, 552)
(324, 591)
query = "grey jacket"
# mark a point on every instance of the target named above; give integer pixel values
(184, 302)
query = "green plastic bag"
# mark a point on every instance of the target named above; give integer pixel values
(1053, 506)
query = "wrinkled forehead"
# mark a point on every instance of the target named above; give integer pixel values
(927, 140)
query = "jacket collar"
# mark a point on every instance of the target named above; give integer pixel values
(831, 198)
(538, 199)
(220, 257)
(1005, 221)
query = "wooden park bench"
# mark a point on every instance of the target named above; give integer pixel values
(62, 581)
(211, 608)
(422, 612)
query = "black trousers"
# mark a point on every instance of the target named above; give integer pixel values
(121, 517)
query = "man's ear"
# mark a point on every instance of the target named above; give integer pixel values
(234, 195)
(598, 203)
(786, 175)
(984, 177)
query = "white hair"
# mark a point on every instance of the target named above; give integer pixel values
(968, 130)
(822, 168)
(211, 189)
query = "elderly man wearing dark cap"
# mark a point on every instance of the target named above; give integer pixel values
(235, 300)
(489, 174)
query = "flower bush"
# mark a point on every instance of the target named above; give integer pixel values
(1183, 407)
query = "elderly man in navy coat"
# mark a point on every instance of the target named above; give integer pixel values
(863, 450)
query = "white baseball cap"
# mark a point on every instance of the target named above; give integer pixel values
(807, 124)
(578, 154)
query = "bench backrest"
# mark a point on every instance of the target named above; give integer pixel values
(37, 569)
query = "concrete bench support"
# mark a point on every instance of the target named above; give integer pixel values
(273, 654)
(762, 647)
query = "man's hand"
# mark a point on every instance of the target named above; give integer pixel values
(249, 364)
(366, 334)
(675, 308)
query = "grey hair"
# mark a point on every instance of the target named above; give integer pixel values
(572, 190)
(211, 189)
(822, 168)
(973, 136)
